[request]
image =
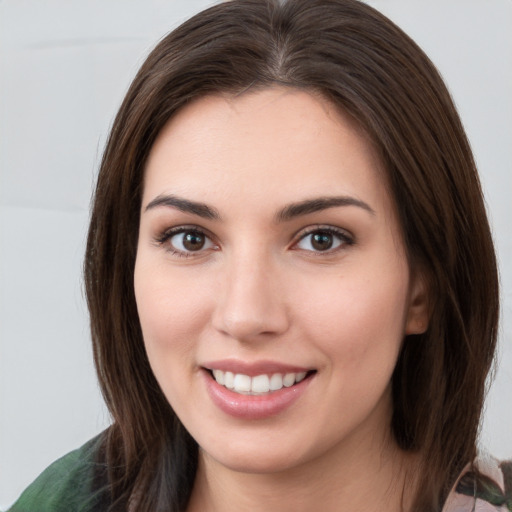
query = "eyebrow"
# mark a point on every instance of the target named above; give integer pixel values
(289, 212)
(184, 205)
(318, 204)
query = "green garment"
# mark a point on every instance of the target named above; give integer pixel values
(73, 483)
(78, 483)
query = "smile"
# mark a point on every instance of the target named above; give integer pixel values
(258, 384)
(255, 390)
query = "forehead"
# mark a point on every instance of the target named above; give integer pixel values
(270, 143)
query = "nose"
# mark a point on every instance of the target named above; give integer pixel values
(251, 304)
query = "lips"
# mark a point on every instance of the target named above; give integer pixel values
(255, 390)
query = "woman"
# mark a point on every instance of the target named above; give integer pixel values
(288, 307)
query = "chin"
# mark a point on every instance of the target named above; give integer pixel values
(255, 462)
(265, 453)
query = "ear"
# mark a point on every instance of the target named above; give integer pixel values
(418, 314)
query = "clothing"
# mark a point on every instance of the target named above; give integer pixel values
(73, 483)
(488, 491)
(76, 483)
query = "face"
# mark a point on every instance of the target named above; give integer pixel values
(271, 281)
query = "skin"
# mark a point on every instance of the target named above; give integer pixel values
(259, 290)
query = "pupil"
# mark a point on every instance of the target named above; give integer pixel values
(193, 241)
(322, 241)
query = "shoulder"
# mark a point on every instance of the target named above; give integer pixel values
(72, 483)
(486, 486)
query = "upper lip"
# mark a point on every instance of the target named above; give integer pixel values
(253, 368)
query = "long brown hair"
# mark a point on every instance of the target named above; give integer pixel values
(370, 69)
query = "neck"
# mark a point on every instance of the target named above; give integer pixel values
(368, 480)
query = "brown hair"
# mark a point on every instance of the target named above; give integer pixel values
(370, 69)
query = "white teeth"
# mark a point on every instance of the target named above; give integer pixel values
(219, 376)
(259, 384)
(300, 376)
(229, 380)
(289, 380)
(242, 383)
(276, 382)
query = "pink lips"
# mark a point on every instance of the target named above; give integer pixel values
(253, 407)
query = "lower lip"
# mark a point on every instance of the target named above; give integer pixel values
(253, 407)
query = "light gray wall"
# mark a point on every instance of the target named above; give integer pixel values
(64, 67)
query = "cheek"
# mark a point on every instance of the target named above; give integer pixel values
(171, 312)
(357, 318)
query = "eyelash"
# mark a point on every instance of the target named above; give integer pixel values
(165, 237)
(344, 238)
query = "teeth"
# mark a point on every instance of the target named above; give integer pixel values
(289, 380)
(219, 376)
(300, 376)
(259, 384)
(229, 380)
(242, 383)
(276, 382)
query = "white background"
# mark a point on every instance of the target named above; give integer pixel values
(64, 67)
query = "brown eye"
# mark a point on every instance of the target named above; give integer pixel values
(188, 241)
(193, 241)
(321, 241)
(324, 240)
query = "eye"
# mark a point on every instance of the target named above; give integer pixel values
(323, 240)
(184, 241)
